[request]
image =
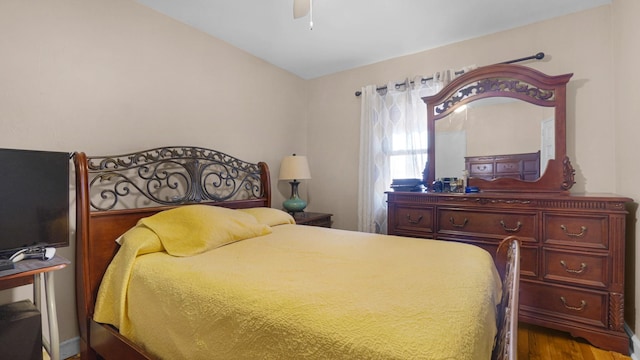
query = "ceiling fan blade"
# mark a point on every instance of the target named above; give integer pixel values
(300, 8)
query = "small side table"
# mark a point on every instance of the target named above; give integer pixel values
(313, 219)
(27, 272)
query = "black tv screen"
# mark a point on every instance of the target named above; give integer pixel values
(34, 199)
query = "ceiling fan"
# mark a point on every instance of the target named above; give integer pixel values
(302, 8)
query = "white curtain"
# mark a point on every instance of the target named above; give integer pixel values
(393, 136)
(393, 127)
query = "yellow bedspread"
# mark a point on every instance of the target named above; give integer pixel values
(306, 292)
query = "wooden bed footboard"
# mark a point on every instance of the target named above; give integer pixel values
(508, 263)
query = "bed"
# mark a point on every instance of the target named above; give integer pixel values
(180, 255)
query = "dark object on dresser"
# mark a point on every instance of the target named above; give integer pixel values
(20, 331)
(407, 185)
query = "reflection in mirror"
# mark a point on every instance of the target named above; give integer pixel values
(490, 127)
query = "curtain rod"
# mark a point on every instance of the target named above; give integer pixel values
(538, 56)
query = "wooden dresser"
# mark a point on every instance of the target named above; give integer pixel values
(572, 271)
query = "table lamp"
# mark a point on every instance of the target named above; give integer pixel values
(294, 168)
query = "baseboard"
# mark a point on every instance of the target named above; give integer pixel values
(69, 348)
(635, 342)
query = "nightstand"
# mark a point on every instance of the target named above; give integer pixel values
(313, 219)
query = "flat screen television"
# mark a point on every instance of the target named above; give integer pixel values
(34, 200)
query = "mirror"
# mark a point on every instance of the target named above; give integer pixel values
(491, 127)
(504, 124)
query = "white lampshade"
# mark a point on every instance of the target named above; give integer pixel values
(294, 168)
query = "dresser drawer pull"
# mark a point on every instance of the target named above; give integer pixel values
(583, 304)
(583, 266)
(515, 229)
(580, 234)
(453, 222)
(414, 222)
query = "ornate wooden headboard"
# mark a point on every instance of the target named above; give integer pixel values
(114, 192)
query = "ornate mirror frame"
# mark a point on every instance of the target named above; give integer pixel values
(511, 81)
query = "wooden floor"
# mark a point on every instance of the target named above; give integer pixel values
(536, 343)
(540, 343)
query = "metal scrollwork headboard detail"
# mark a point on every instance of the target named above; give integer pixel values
(496, 86)
(170, 176)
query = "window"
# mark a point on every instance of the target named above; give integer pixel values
(404, 159)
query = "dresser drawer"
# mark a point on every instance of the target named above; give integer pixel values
(481, 169)
(578, 268)
(507, 167)
(579, 230)
(528, 256)
(415, 220)
(579, 305)
(529, 261)
(495, 225)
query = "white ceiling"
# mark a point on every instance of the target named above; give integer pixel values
(353, 33)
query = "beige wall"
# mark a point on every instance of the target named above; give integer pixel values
(112, 76)
(626, 109)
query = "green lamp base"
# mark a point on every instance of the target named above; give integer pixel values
(294, 203)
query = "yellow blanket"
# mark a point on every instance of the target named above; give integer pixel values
(306, 292)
